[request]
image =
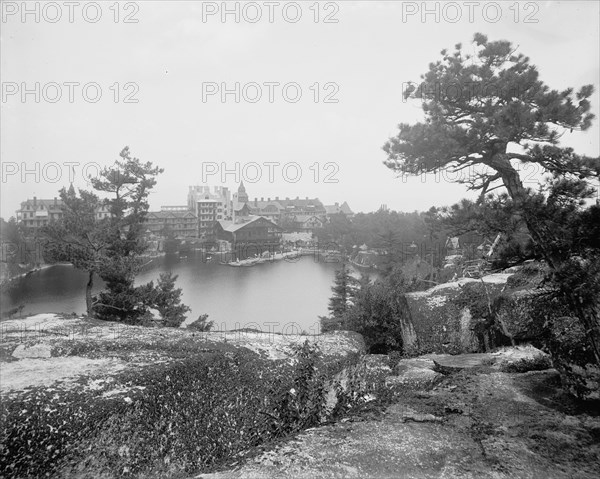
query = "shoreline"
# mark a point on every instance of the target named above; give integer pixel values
(37, 269)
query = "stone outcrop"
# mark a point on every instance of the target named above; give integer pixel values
(436, 323)
(43, 349)
(502, 309)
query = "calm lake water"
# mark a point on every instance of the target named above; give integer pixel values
(283, 296)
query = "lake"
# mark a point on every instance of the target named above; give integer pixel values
(281, 296)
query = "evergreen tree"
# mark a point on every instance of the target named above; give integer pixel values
(166, 298)
(128, 182)
(505, 114)
(112, 247)
(344, 291)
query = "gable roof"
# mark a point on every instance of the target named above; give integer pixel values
(48, 204)
(345, 208)
(232, 227)
(305, 218)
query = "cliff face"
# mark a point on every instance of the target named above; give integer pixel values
(472, 315)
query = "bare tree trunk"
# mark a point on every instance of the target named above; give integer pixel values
(88, 294)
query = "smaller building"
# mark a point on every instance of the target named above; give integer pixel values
(182, 224)
(36, 213)
(257, 232)
(307, 223)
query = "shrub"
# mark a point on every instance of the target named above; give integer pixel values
(43, 425)
(377, 314)
(359, 388)
(181, 417)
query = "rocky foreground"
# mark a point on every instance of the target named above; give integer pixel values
(500, 414)
(473, 421)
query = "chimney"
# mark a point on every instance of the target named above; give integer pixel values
(307, 197)
(268, 199)
(277, 198)
(34, 201)
(255, 201)
(287, 198)
(337, 204)
(262, 198)
(55, 201)
(297, 198)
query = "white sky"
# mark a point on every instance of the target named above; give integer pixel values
(171, 52)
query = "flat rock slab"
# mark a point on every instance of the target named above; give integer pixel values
(35, 351)
(35, 372)
(446, 363)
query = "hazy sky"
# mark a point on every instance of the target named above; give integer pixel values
(178, 52)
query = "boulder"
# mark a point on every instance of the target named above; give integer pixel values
(522, 357)
(415, 373)
(448, 364)
(438, 323)
(522, 314)
(415, 378)
(34, 351)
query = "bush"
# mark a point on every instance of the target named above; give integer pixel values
(181, 417)
(41, 427)
(359, 388)
(378, 312)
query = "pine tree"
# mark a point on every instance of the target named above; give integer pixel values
(128, 182)
(344, 291)
(502, 107)
(166, 298)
